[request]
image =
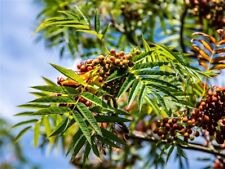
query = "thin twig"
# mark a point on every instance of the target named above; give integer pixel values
(188, 146)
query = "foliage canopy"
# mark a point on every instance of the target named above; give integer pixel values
(116, 101)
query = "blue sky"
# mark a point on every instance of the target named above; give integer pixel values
(22, 63)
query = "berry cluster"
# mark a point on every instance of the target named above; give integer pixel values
(209, 116)
(174, 128)
(106, 65)
(96, 71)
(212, 10)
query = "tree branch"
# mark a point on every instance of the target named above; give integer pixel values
(188, 146)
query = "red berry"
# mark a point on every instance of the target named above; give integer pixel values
(100, 79)
(78, 66)
(101, 57)
(113, 52)
(83, 68)
(121, 53)
(89, 68)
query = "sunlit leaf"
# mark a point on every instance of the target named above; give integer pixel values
(36, 133)
(70, 74)
(60, 127)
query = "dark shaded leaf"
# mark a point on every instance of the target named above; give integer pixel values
(52, 110)
(94, 99)
(79, 144)
(127, 83)
(57, 89)
(110, 119)
(53, 99)
(60, 129)
(97, 21)
(82, 125)
(133, 91)
(75, 138)
(112, 136)
(86, 153)
(88, 115)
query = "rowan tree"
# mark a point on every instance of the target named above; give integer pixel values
(139, 94)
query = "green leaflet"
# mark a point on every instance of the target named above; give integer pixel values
(36, 133)
(21, 133)
(49, 82)
(156, 81)
(109, 135)
(154, 72)
(96, 109)
(121, 112)
(88, 115)
(162, 23)
(75, 138)
(86, 152)
(53, 99)
(69, 14)
(108, 142)
(82, 14)
(110, 119)
(39, 94)
(94, 99)
(127, 83)
(134, 91)
(70, 74)
(169, 153)
(26, 113)
(34, 106)
(78, 26)
(52, 110)
(154, 105)
(181, 152)
(104, 31)
(57, 89)
(82, 125)
(169, 54)
(115, 75)
(60, 128)
(160, 100)
(61, 22)
(99, 36)
(25, 122)
(162, 89)
(146, 46)
(79, 144)
(97, 21)
(46, 124)
(94, 146)
(141, 96)
(141, 57)
(148, 65)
